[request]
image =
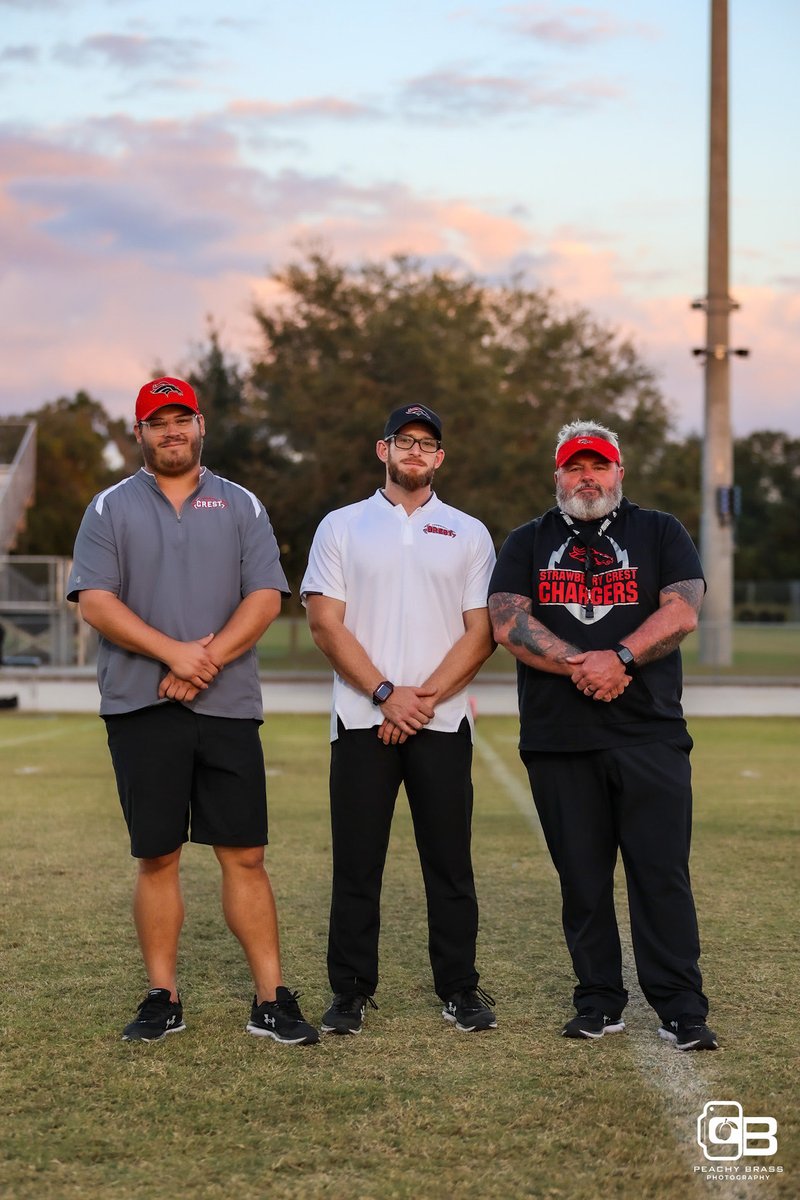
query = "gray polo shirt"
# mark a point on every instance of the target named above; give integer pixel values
(184, 574)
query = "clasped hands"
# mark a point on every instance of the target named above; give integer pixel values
(190, 672)
(599, 674)
(407, 710)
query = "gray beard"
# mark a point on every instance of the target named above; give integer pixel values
(409, 483)
(580, 508)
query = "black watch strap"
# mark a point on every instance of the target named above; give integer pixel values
(625, 656)
(382, 692)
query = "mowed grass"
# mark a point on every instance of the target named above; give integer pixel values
(411, 1108)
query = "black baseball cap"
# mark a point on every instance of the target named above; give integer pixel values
(409, 414)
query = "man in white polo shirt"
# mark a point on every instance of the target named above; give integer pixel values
(396, 591)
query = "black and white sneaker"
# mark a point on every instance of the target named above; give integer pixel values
(282, 1020)
(689, 1033)
(156, 1016)
(591, 1023)
(470, 1010)
(346, 1013)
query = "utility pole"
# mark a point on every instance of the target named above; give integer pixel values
(719, 498)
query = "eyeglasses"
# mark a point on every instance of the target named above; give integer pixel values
(159, 424)
(404, 441)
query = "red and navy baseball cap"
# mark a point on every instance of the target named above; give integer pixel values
(160, 392)
(408, 415)
(587, 444)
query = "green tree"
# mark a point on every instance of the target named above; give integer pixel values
(767, 468)
(674, 483)
(504, 366)
(75, 444)
(236, 442)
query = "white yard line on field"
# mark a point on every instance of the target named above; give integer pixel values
(679, 1077)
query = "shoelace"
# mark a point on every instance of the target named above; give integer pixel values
(348, 999)
(477, 993)
(152, 1007)
(289, 1005)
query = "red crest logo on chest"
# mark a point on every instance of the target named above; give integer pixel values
(439, 529)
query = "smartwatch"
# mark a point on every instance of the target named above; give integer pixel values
(625, 656)
(382, 692)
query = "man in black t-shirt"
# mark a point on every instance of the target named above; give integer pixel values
(593, 599)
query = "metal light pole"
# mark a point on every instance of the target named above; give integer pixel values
(716, 525)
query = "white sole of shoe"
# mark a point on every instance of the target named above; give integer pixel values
(673, 1041)
(160, 1038)
(258, 1032)
(617, 1027)
(467, 1028)
(333, 1029)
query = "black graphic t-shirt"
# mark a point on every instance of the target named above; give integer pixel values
(641, 552)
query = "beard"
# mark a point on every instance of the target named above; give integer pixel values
(582, 507)
(409, 482)
(175, 459)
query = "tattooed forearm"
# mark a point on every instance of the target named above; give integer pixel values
(526, 638)
(665, 629)
(690, 590)
(661, 648)
(529, 635)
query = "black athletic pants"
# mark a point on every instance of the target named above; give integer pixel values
(364, 781)
(637, 799)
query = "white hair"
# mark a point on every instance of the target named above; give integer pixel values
(586, 429)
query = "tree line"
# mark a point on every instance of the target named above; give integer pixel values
(504, 366)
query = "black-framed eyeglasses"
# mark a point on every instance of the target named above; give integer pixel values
(404, 441)
(160, 424)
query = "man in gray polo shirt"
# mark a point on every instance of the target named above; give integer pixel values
(179, 572)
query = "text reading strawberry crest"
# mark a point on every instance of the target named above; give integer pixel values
(209, 502)
(562, 586)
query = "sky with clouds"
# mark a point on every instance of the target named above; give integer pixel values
(158, 158)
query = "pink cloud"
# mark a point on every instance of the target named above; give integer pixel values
(123, 236)
(571, 25)
(457, 95)
(328, 107)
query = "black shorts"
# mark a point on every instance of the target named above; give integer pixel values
(174, 766)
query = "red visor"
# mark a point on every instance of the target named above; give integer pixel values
(586, 445)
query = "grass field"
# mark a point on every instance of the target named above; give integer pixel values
(411, 1108)
(758, 650)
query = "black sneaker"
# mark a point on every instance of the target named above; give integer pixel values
(346, 1013)
(157, 1016)
(689, 1033)
(470, 1010)
(591, 1023)
(282, 1020)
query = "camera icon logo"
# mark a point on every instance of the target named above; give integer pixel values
(724, 1133)
(719, 1130)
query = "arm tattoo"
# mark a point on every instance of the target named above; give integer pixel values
(660, 649)
(511, 616)
(685, 591)
(690, 590)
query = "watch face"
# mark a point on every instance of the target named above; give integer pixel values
(625, 655)
(382, 692)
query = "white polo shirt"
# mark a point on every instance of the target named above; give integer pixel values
(406, 580)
